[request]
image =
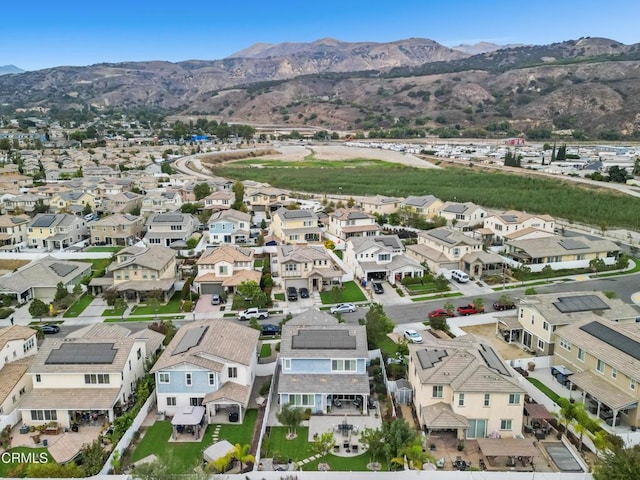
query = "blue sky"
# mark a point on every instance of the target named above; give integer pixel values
(41, 34)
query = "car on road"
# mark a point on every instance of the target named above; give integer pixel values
(500, 306)
(215, 299)
(270, 329)
(412, 336)
(440, 312)
(377, 288)
(343, 308)
(469, 309)
(292, 294)
(304, 292)
(50, 329)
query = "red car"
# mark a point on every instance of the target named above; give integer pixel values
(469, 309)
(440, 313)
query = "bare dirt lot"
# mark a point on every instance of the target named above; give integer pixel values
(8, 266)
(506, 351)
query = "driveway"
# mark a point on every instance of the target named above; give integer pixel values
(204, 305)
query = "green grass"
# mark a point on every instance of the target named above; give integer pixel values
(110, 312)
(437, 295)
(312, 161)
(279, 296)
(172, 306)
(142, 319)
(45, 321)
(265, 350)
(78, 306)
(6, 466)
(257, 263)
(338, 253)
(544, 389)
(635, 269)
(98, 263)
(345, 464)
(553, 196)
(388, 347)
(278, 446)
(243, 433)
(521, 285)
(104, 249)
(350, 292)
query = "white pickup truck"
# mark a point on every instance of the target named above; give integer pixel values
(258, 313)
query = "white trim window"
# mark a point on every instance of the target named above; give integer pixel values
(566, 344)
(343, 365)
(506, 424)
(600, 366)
(164, 377)
(188, 379)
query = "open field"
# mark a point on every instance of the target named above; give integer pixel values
(562, 199)
(7, 265)
(488, 331)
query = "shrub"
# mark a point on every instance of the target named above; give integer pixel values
(266, 386)
(530, 291)
(5, 312)
(187, 305)
(399, 291)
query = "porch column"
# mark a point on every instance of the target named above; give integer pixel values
(365, 404)
(613, 420)
(598, 411)
(110, 414)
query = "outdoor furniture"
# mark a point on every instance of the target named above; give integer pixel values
(440, 463)
(52, 430)
(354, 448)
(24, 429)
(336, 449)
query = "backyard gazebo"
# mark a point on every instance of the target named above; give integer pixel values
(191, 419)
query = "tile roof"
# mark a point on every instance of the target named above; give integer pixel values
(15, 332)
(46, 272)
(556, 245)
(226, 253)
(154, 257)
(324, 383)
(11, 374)
(230, 391)
(292, 330)
(440, 416)
(70, 399)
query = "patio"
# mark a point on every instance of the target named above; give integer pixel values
(346, 430)
(63, 447)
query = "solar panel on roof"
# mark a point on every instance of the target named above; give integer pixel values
(492, 360)
(297, 214)
(456, 208)
(428, 358)
(580, 303)
(173, 218)
(442, 235)
(44, 220)
(323, 340)
(191, 338)
(82, 354)
(62, 269)
(509, 218)
(613, 338)
(571, 244)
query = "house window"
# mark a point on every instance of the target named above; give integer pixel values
(461, 400)
(188, 379)
(38, 378)
(564, 343)
(632, 384)
(195, 401)
(176, 227)
(163, 377)
(438, 391)
(232, 372)
(514, 399)
(505, 424)
(171, 401)
(600, 366)
(581, 354)
(41, 415)
(487, 399)
(540, 344)
(212, 379)
(287, 364)
(100, 378)
(545, 326)
(614, 373)
(300, 400)
(343, 365)
(139, 354)
(291, 267)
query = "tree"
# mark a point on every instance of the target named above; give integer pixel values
(40, 207)
(93, 457)
(61, 292)
(189, 208)
(86, 210)
(238, 191)
(568, 411)
(291, 417)
(242, 453)
(441, 283)
(38, 308)
(372, 440)
(622, 261)
(192, 243)
(260, 240)
(414, 455)
(636, 167)
(153, 301)
(449, 308)
(249, 289)
(120, 304)
(597, 265)
(351, 202)
(378, 325)
(263, 224)
(53, 470)
(77, 289)
(323, 443)
(201, 190)
(397, 435)
(620, 464)
(478, 304)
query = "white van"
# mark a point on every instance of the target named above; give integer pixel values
(459, 276)
(89, 217)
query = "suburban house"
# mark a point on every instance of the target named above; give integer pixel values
(13, 231)
(425, 205)
(380, 258)
(321, 362)
(56, 231)
(124, 202)
(220, 200)
(266, 199)
(561, 252)
(295, 226)
(224, 268)
(462, 215)
(346, 223)
(604, 357)
(74, 201)
(311, 267)
(117, 229)
(40, 278)
(25, 203)
(539, 316)
(77, 377)
(463, 385)
(503, 226)
(208, 364)
(229, 227)
(160, 202)
(138, 271)
(380, 204)
(18, 345)
(170, 229)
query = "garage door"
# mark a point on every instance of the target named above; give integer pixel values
(299, 283)
(210, 288)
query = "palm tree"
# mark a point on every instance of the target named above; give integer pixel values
(414, 456)
(242, 453)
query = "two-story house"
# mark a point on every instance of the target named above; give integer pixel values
(295, 226)
(514, 225)
(208, 364)
(604, 357)
(229, 227)
(379, 204)
(322, 362)
(25, 203)
(117, 229)
(124, 202)
(425, 205)
(73, 201)
(224, 268)
(266, 199)
(346, 223)
(13, 231)
(380, 258)
(168, 228)
(541, 315)
(462, 215)
(56, 231)
(219, 200)
(463, 385)
(160, 202)
(311, 267)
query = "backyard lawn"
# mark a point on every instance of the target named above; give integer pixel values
(350, 292)
(78, 306)
(388, 347)
(265, 350)
(278, 446)
(7, 466)
(345, 464)
(172, 306)
(104, 249)
(544, 389)
(242, 434)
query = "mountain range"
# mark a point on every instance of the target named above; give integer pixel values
(5, 69)
(590, 85)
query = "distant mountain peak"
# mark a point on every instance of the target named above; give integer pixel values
(327, 41)
(6, 69)
(482, 47)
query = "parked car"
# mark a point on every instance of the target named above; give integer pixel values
(50, 329)
(412, 336)
(343, 308)
(459, 276)
(215, 299)
(292, 294)
(257, 313)
(440, 312)
(469, 309)
(270, 329)
(304, 292)
(503, 306)
(377, 288)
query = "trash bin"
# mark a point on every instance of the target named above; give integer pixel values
(45, 443)
(531, 366)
